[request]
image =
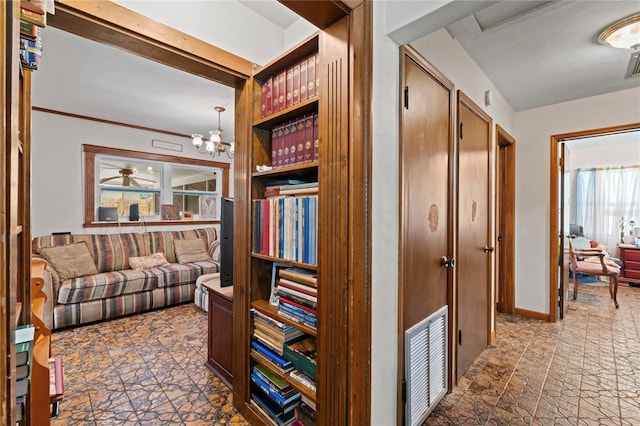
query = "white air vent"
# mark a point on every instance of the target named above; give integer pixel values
(634, 63)
(425, 365)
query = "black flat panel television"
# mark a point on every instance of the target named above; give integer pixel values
(226, 243)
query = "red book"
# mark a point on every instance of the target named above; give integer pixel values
(282, 90)
(280, 145)
(296, 84)
(275, 94)
(298, 305)
(289, 85)
(317, 74)
(293, 146)
(303, 81)
(308, 138)
(274, 147)
(286, 144)
(267, 102)
(300, 146)
(316, 137)
(311, 77)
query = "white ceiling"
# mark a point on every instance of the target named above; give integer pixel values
(536, 53)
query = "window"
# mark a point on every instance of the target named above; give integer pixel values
(119, 178)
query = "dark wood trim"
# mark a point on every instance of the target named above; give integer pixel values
(321, 13)
(114, 25)
(532, 314)
(465, 100)
(505, 219)
(553, 202)
(90, 152)
(333, 213)
(110, 122)
(359, 303)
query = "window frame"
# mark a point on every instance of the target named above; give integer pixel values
(91, 151)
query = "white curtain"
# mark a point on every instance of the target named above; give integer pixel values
(605, 201)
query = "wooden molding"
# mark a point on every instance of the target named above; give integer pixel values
(532, 314)
(114, 25)
(321, 13)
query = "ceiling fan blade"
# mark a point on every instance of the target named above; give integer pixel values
(133, 182)
(103, 180)
(148, 180)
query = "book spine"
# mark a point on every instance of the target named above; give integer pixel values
(268, 102)
(303, 80)
(269, 354)
(316, 137)
(299, 306)
(302, 378)
(298, 299)
(287, 307)
(280, 145)
(311, 77)
(289, 86)
(275, 93)
(294, 317)
(296, 84)
(286, 144)
(40, 19)
(274, 147)
(308, 138)
(293, 146)
(282, 83)
(300, 148)
(317, 59)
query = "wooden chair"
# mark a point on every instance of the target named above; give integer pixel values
(591, 268)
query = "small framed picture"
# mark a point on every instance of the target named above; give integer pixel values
(273, 298)
(187, 215)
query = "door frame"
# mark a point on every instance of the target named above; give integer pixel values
(505, 219)
(553, 202)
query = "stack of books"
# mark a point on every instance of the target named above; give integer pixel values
(275, 397)
(24, 351)
(298, 295)
(273, 333)
(270, 358)
(33, 17)
(302, 354)
(305, 413)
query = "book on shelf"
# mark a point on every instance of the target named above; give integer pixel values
(302, 378)
(285, 401)
(282, 90)
(316, 137)
(269, 342)
(270, 411)
(24, 333)
(286, 142)
(296, 84)
(299, 287)
(266, 106)
(22, 371)
(40, 19)
(267, 362)
(20, 404)
(286, 311)
(275, 94)
(300, 275)
(303, 80)
(276, 359)
(305, 413)
(308, 138)
(317, 58)
(23, 352)
(302, 353)
(283, 386)
(300, 140)
(311, 404)
(29, 30)
(22, 386)
(297, 306)
(300, 298)
(311, 77)
(289, 88)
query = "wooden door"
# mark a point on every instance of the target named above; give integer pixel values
(563, 258)
(475, 249)
(426, 144)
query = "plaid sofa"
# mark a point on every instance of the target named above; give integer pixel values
(117, 289)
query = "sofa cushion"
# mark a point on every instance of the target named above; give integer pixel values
(106, 284)
(177, 274)
(71, 260)
(163, 241)
(148, 262)
(191, 250)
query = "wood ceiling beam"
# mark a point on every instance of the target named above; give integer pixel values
(149, 39)
(322, 13)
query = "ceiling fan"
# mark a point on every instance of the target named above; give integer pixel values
(127, 179)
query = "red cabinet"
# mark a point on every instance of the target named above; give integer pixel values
(630, 257)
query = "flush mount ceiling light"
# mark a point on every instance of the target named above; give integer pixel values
(214, 145)
(624, 34)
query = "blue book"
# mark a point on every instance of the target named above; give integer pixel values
(286, 404)
(271, 409)
(271, 355)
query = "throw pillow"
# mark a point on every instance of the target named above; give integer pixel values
(71, 260)
(191, 250)
(147, 262)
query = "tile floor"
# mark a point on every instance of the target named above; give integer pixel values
(149, 369)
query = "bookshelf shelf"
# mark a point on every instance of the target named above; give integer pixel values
(306, 48)
(310, 105)
(267, 308)
(284, 261)
(297, 170)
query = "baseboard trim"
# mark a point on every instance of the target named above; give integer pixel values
(532, 314)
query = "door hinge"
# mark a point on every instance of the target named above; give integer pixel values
(406, 97)
(460, 337)
(460, 130)
(560, 162)
(404, 390)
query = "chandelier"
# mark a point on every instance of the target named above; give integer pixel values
(214, 145)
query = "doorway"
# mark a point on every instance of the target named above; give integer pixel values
(558, 271)
(505, 221)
